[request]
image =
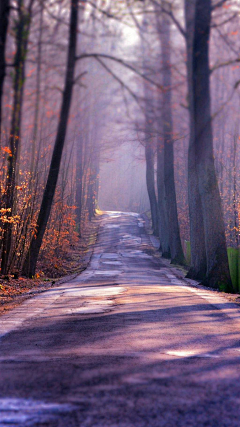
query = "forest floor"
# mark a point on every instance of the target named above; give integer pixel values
(13, 291)
(127, 343)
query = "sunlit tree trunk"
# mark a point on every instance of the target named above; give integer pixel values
(29, 266)
(4, 15)
(177, 255)
(197, 239)
(217, 261)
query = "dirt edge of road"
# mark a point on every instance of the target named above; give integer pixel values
(14, 292)
(180, 273)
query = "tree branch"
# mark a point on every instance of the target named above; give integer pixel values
(227, 42)
(119, 61)
(225, 103)
(119, 80)
(225, 22)
(219, 4)
(224, 64)
(172, 16)
(80, 76)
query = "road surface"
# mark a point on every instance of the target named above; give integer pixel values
(124, 344)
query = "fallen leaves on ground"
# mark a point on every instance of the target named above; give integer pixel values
(13, 291)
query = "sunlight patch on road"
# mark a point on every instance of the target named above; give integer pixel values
(93, 307)
(107, 273)
(28, 412)
(135, 254)
(95, 291)
(94, 300)
(190, 353)
(109, 255)
(112, 262)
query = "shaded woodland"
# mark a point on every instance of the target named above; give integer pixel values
(126, 105)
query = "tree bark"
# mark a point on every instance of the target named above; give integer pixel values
(197, 238)
(150, 179)
(177, 255)
(79, 181)
(161, 191)
(218, 274)
(37, 101)
(162, 209)
(22, 35)
(30, 263)
(4, 17)
(149, 140)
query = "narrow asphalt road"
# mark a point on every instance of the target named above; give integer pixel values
(124, 344)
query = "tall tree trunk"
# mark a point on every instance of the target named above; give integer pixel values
(218, 274)
(163, 223)
(37, 101)
(30, 263)
(150, 179)
(22, 34)
(93, 175)
(235, 198)
(149, 140)
(177, 255)
(197, 239)
(4, 17)
(79, 181)
(162, 209)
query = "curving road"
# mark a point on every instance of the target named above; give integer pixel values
(127, 343)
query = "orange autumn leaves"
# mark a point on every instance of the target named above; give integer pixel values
(6, 150)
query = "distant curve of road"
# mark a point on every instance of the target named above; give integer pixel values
(126, 343)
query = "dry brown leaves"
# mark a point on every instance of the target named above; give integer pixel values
(14, 291)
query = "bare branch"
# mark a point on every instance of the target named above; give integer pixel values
(80, 76)
(138, 26)
(29, 8)
(119, 61)
(225, 22)
(119, 81)
(104, 12)
(237, 84)
(219, 4)
(227, 42)
(172, 16)
(224, 64)
(225, 103)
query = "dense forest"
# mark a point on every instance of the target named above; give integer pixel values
(128, 105)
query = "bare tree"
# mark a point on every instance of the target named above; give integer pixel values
(175, 245)
(216, 253)
(4, 15)
(23, 22)
(197, 235)
(30, 263)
